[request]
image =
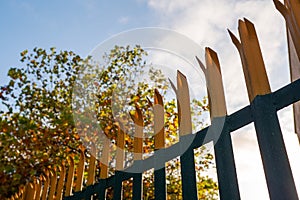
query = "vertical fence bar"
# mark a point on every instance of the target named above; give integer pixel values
(189, 186)
(138, 151)
(294, 55)
(119, 162)
(295, 74)
(21, 194)
(252, 61)
(92, 166)
(138, 134)
(104, 163)
(214, 84)
(104, 158)
(30, 191)
(53, 181)
(61, 182)
(17, 194)
(227, 177)
(25, 192)
(272, 149)
(159, 121)
(275, 161)
(38, 184)
(120, 149)
(159, 144)
(46, 185)
(291, 13)
(70, 178)
(293, 45)
(80, 172)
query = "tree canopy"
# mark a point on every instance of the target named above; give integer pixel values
(37, 126)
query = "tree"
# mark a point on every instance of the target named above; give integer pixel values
(37, 129)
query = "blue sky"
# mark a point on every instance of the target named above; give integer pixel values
(68, 25)
(80, 26)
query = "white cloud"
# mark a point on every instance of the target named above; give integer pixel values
(170, 7)
(206, 22)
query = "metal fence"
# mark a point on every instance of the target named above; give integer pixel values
(262, 111)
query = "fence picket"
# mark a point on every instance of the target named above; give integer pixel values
(184, 110)
(294, 62)
(53, 182)
(272, 150)
(291, 12)
(80, 172)
(45, 185)
(38, 188)
(252, 61)
(269, 136)
(214, 84)
(138, 133)
(70, 179)
(61, 181)
(138, 151)
(159, 121)
(227, 177)
(30, 192)
(104, 165)
(119, 162)
(159, 144)
(92, 166)
(293, 48)
(24, 192)
(104, 158)
(120, 149)
(189, 187)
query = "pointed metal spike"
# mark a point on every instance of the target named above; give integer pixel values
(173, 86)
(234, 40)
(214, 57)
(138, 116)
(157, 98)
(149, 102)
(280, 7)
(180, 74)
(202, 66)
(250, 28)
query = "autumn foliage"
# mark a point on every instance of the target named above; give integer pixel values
(39, 105)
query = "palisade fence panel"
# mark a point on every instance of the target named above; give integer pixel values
(68, 182)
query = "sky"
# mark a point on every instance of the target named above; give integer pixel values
(81, 25)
